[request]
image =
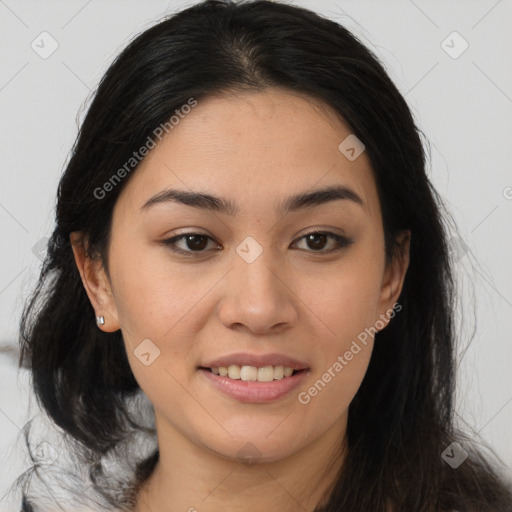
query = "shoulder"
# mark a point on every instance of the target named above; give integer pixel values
(63, 469)
(58, 471)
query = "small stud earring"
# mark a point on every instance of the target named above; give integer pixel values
(100, 320)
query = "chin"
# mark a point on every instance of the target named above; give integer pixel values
(254, 448)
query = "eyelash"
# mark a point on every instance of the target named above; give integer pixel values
(341, 241)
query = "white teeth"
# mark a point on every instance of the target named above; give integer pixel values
(234, 371)
(266, 374)
(278, 372)
(253, 373)
(249, 373)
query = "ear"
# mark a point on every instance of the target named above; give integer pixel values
(394, 276)
(95, 282)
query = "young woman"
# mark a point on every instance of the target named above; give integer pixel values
(246, 236)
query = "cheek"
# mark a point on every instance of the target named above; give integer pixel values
(346, 310)
(342, 356)
(328, 395)
(152, 296)
(344, 305)
(167, 304)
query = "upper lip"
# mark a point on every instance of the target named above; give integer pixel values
(247, 359)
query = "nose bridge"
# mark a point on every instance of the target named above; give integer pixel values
(256, 295)
(253, 269)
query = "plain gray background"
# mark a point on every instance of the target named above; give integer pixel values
(462, 101)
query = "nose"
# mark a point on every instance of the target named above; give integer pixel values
(257, 296)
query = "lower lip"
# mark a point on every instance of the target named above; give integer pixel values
(253, 391)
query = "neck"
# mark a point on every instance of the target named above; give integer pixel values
(194, 479)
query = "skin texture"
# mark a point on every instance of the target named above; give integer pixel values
(255, 149)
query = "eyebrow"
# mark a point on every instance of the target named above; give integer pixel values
(293, 203)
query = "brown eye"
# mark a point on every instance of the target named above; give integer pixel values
(196, 242)
(191, 243)
(317, 241)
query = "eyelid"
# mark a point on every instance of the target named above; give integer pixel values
(341, 240)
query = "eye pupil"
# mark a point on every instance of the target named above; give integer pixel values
(313, 237)
(191, 244)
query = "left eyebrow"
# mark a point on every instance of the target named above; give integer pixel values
(204, 201)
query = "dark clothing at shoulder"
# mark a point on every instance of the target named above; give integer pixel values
(25, 505)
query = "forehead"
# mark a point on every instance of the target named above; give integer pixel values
(254, 148)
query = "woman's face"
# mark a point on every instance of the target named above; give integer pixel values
(251, 288)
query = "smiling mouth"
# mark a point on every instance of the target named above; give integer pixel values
(253, 373)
